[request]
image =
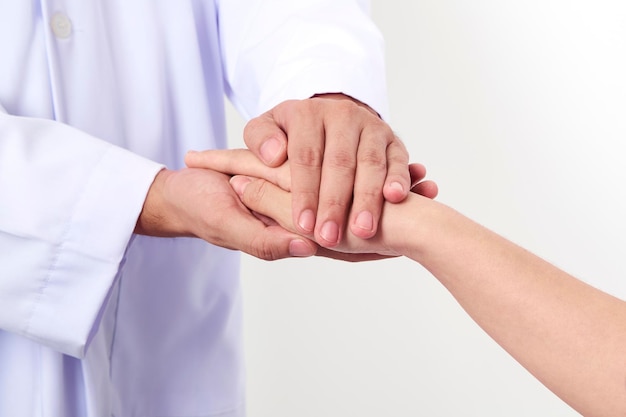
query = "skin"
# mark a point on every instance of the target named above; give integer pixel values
(235, 161)
(344, 161)
(338, 147)
(569, 335)
(195, 202)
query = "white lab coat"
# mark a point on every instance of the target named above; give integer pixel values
(95, 97)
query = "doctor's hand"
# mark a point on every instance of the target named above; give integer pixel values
(341, 155)
(201, 203)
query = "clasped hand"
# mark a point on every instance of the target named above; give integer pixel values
(343, 163)
(337, 158)
(266, 192)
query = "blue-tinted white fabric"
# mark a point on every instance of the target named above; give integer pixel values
(96, 96)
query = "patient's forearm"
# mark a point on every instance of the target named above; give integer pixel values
(571, 336)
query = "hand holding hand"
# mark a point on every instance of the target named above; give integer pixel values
(265, 190)
(342, 156)
(273, 203)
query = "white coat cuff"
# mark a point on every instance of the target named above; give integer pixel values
(69, 303)
(356, 83)
(328, 78)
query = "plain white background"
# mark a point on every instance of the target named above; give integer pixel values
(518, 109)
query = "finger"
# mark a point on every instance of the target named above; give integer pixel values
(266, 199)
(252, 236)
(239, 162)
(266, 220)
(417, 172)
(306, 149)
(273, 242)
(338, 176)
(398, 181)
(370, 177)
(266, 139)
(425, 188)
(271, 202)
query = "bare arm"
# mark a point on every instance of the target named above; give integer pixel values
(569, 335)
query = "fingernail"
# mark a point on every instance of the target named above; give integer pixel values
(299, 248)
(365, 221)
(396, 186)
(270, 149)
(239, 184)
(330, 232)
(307, 221)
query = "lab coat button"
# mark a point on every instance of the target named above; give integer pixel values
(61, 25)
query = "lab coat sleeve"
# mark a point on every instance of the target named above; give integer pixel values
(68, 206)
(274, 50)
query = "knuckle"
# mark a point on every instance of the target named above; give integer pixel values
(346, 109)
(286, 105)
(302, 109)
(397, 141)
(399, 157)
(341, 159)
(336, 204)
(373, 158)
(255, 193)
(367, 196)
(381, 131)
(262, 248)
(251, 129)
(308, 156)
(284, 109)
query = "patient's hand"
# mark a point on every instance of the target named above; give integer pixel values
(273, 206)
